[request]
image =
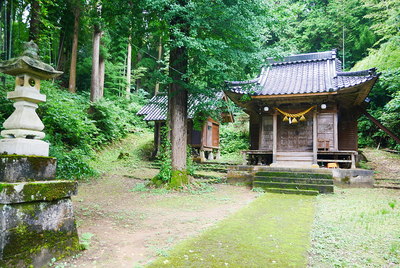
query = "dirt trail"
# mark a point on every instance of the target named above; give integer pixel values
(131, 228)
(386, 166)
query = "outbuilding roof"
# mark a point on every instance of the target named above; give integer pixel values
(299, 74)
(156, 109)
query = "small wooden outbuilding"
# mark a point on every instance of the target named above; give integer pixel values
(303, 111)
(206, 140)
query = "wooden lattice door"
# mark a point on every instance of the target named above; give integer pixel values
(295, 137)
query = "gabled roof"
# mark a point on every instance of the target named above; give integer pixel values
(301, 74)
(156, 109)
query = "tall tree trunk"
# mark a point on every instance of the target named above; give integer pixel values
(102, 62)
(2, 30)
(34, 24)
(74, 53)
(157, 87)
(138, 81)
(177, 108)
(9, 22)
(128, 68)
(95, 82)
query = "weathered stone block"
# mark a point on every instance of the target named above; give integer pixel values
(34, 233)
(354, 177)
(22, 192)
(240, 177)
(17, 168)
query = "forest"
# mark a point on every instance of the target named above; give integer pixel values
(117, 54)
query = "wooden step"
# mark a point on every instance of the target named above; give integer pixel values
(293, 164)
(294, 153)
(294, 158)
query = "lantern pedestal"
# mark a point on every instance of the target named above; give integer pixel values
(20, 146)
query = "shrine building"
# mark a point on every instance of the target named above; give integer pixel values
(303, 111)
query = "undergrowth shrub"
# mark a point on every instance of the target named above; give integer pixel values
(5, 104)
(234, 138)
(73, 133)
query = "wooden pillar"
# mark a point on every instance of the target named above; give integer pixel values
(274, 136)
(353, 161)
(315, 128)
(157, 137)
(335, 132)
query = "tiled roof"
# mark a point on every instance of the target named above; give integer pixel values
(156, 109)
(304, 73)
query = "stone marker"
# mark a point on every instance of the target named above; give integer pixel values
(36, 215)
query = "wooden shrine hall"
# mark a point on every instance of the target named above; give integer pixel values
(303, 111)
(204, 141)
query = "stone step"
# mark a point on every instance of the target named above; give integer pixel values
(294, 174)
(320, 188)
(280, 169)
(291, 191)
(295, 180)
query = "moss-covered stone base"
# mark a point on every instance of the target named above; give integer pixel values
(34, 233)
(22, 192)
(17, 168)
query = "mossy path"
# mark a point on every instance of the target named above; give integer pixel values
(274, 230)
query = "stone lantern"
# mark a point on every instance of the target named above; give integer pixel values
(36, 214)
(23, 129)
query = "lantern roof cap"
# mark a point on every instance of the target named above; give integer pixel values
(29, 63)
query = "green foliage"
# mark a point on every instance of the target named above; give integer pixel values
(385, 58)
(385, 96)
(234, 138)
(392, 204)
(5, 104)
(73, 163)
(140, 187)
(74, 134)
(198, 188)
(164, 176)
(258, 190)
(190, 167)
(85, 240)
(64, 115)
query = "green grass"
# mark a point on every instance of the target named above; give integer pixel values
(272, 230)
(125, 156)
(357, 228)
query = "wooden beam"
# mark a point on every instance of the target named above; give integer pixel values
(294, 95)
(376, 122)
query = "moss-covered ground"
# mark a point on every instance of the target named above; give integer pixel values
(131, 225)
(273, 230)
(357, 228)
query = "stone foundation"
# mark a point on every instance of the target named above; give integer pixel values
(36, 217)
(244, 174)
